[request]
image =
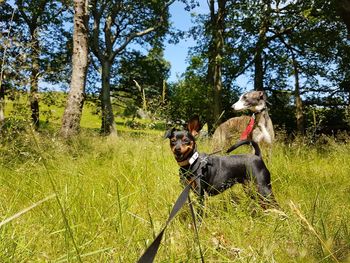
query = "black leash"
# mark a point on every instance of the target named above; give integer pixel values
(195, 228)
(150, 253)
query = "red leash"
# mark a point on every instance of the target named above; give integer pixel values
(249, 128)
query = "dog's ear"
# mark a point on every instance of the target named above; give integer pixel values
(262, 95)
(168, 134)
(194, 125)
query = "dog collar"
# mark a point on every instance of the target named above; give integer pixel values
(190, 161)
(193, 158)
(248, 129)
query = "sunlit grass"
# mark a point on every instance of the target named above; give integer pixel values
(116, 194)
(51, 116)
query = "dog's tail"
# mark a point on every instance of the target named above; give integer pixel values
(243, 142)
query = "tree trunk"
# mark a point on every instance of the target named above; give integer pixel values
(261, 44)
(258, 70)
(34, 78)
(298, 101)
(75, 101)
(108, 125)
(217, 26)
(343, 10)
(2, 93)
(2, 105)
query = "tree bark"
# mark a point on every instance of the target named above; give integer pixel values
(343, 9)
(2, 88)
(75, 101)
(34, 78)
(261, 44)
(298, 101)
(258, 70)
(108, 125)
(32, 16)
(217, 26)
(2, 93)
(2, 105)
(299, 115)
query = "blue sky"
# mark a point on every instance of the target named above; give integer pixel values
(177, 54)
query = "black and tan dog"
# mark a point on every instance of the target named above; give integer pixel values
(212, 174)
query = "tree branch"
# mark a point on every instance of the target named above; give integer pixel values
(134, 35)
(96, 31)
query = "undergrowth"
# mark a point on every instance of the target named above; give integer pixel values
(105, 199)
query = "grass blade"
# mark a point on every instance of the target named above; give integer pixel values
(25, 210)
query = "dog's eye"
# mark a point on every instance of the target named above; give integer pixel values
(186, 141)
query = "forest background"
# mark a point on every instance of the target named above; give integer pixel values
(296, 51)
(85, 98)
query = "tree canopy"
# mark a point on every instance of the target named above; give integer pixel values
(296, 51)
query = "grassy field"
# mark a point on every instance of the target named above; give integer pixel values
(98, 199)
(104, 199)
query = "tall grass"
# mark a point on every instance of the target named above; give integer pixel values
(114, 195)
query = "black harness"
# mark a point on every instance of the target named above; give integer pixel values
(195, 176)
(196, 173)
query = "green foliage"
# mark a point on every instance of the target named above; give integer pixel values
(332, 121)
(50, 101)
(187, 98)
(308, 33)
(150, 72)
(116, 194)
(191, 95)
(114, 26)
(47, 21)
(282, 112)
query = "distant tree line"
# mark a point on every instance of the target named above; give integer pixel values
(298, 52)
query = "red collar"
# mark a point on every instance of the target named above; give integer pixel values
(249, 128)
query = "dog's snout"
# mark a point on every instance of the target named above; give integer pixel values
(239, 105)
(177, 148)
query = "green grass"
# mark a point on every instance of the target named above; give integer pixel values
(115, 194)
(51, 116)
(98, 199)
